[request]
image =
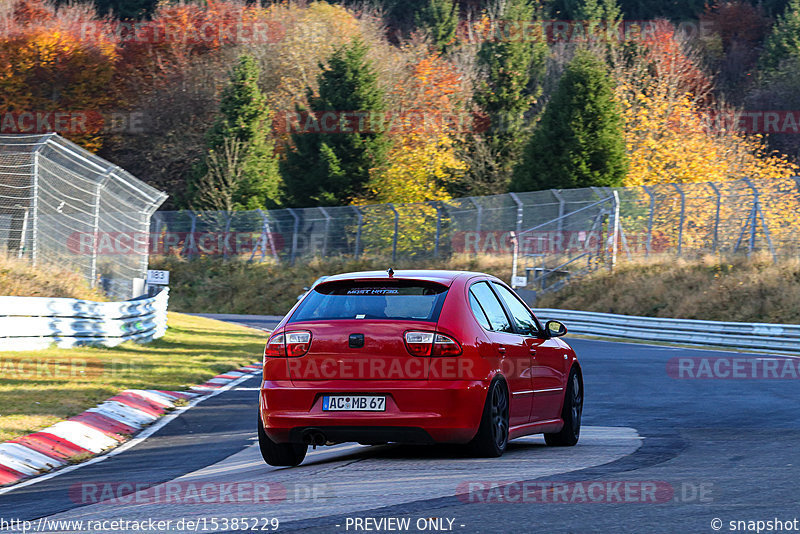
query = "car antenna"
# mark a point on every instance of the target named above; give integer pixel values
(391, 272)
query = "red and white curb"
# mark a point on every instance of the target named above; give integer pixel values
(103, 428)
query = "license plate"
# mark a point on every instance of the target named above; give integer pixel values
(353, 403)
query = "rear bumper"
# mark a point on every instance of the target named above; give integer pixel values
(416, 411)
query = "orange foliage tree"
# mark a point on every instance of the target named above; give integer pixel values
(423, 161)
(49, 65)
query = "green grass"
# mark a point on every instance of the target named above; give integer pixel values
(39, 388)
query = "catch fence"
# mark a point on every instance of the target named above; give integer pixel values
(554, 233)
(62, 205)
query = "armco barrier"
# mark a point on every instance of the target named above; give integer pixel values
(33, 323)
(758, 336)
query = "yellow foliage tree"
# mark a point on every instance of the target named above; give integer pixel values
(423, 161)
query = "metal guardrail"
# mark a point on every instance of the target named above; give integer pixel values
(757, 336)
(34, 323)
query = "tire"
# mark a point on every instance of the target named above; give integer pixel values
(570, 413)
(492, 437)
(279, 454)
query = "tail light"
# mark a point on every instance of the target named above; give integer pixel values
(445, 346)
(430, 344)
(290, 344)
(297, 343)
(275, 347)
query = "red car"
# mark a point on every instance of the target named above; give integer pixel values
(415, 357)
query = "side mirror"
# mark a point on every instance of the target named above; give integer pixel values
(555, 329)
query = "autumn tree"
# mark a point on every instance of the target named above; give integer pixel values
(513, 68)
(579, 140)
(245, 117)
(333, 167)
(48, 65)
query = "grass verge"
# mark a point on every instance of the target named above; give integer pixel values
(18, 278)
(39, 388)
(754, 289)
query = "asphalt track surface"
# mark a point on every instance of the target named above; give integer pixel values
(716, 448)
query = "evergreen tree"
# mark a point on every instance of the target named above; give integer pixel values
(333, 167)
(244, 116)
(440, 19)
(579, 140)
(514, 69)
(783, 44)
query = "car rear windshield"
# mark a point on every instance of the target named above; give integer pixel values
(400, 300)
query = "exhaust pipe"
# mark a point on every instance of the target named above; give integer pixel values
(314, 437)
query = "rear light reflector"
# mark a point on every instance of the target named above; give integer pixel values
(430, 344)
(419, 343)
(275, 347)
(297, 343)
(445, 346)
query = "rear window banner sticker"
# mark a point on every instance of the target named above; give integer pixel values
(373, 291)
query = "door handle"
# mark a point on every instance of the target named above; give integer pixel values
(532, 351)
(501, 350)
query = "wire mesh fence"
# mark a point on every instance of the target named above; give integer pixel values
(555, 233)
(62, 205)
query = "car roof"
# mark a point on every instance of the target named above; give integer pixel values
(439, 276)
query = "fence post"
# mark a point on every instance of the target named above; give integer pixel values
(520, 213)
(226, 236)
(479, 219)
(649, 219)
(715, 243)
(557, 193)
(327, 230)
(394, 239)
(615, 231)
(96, 229)
(295, 229)
(436, 204)
(190, 238)
(23, 234)
(358, 229)
(760, 214)
(683, 214)
(35, 215)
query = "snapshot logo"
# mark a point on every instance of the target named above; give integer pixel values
(189, 32)
(199, 492)
(67, 368)
(582, 492)
(734, 368)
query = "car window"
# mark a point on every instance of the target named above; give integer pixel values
(498, 319)
(408, 300)
(478, 312)
(523, 318)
